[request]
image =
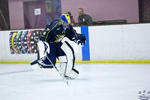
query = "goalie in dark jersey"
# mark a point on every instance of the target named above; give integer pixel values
(57, 42)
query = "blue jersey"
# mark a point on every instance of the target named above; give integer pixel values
(55, 32)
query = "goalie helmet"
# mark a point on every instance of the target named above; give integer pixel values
(65, 19)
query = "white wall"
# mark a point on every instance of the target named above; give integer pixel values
(112, 42)
(120, 42)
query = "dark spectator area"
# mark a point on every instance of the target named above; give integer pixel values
(105, 22)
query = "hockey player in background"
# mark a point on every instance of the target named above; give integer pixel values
(57, 42)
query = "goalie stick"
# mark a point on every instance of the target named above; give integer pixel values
(34, 62)
(66, 79)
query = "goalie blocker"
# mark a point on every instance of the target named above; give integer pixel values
(63, 51)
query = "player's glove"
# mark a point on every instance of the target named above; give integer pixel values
(79, 38)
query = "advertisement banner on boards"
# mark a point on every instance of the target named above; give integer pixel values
(24, 42)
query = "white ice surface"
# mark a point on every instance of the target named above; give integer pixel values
(95, 82)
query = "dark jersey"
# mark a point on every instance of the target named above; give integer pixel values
(55, 32)
(85, 20)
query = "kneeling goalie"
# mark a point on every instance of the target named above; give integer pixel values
(57, 41)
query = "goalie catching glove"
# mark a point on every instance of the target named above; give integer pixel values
(79, 39)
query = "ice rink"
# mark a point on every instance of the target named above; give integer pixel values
(95, 82)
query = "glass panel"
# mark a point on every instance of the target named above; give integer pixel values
(144, 8)
(4, 15)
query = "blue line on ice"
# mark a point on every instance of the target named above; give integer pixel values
(14, 72)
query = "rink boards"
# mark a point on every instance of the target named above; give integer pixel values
(127, 43)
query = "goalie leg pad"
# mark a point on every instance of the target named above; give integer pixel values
(73, 45)
(69, 56)
(69, 62)
(43, 50)
(44, 63)
(73, 73)
(63, 64)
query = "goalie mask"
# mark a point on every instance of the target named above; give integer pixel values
(65, 20)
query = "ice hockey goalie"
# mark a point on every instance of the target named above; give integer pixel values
(58, 42)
